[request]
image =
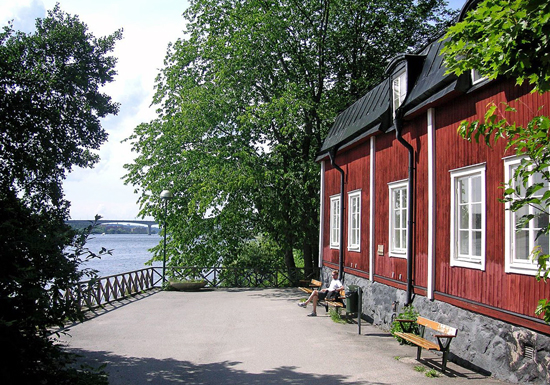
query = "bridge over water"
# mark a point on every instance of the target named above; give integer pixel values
(84, 222)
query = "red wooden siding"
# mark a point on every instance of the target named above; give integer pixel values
(491, 287)
(391, 166)
(356, 165)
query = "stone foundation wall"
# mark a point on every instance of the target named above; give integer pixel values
(493, 347)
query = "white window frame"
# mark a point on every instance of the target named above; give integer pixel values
(513, 264)
(399, 89)
(400, 250)
(335, 221)
(354, 221)
(468, 260)
(476, 77)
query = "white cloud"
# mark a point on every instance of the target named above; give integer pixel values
(148, 28)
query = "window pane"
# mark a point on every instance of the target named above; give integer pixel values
(476, 188)
(464, 218)
(397, 199)
(520, 213)
(403, 219)
(464, 242)
(541, 221)
(397, 239)
(477, 243)
(476, 216)
(543, 241)
(522, 245)
(397, 219)
(537, 178)
(463, 190)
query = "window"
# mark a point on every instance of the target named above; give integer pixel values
(335, 221)
(521, 242)
(399, 90)
(468, 217)
(398, 219)
(354, 221)
(477, 77)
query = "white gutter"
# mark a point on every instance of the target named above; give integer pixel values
(321, 213)
(372, 193)
(431, 203)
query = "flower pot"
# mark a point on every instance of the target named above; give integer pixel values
(187, 286)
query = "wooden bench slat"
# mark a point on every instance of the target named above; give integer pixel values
(417, 340)
(443, 329)
(314, 284)
(334, 303)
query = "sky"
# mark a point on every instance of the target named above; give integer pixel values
(149, 26)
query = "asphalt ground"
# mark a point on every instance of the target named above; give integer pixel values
(248, 336)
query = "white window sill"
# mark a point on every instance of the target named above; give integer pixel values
(468, 264)
(397, 254)
(527, 269)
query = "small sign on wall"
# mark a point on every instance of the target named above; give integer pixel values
(381, 250)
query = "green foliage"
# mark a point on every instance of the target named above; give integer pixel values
(432, 373)
(49, 114)
(244, 102)
(258, 257)
(503, 38)
(409, 312)
(335, 316)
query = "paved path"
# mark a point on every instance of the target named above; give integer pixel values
(245, 337)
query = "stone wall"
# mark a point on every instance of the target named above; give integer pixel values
(488, 345)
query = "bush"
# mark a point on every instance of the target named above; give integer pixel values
(409, 312)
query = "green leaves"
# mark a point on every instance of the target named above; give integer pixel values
(245, 100)
(50, 106)
(503, 38)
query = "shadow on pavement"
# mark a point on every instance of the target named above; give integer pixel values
(138, 371)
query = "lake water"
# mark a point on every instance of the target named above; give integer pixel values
(129, 252)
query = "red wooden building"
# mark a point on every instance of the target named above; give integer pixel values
(411, 212)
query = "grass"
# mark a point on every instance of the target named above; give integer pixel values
(432, 373)
(336, 317)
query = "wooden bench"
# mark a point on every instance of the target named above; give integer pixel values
(444, 338)
(313, 285)
(337, 302)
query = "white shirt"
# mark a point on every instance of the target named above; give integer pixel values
(335, 284)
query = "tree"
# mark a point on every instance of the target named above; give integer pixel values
(509, 38)
(244, 102)
(50, 106)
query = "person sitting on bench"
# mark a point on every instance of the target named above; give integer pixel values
(330, 293)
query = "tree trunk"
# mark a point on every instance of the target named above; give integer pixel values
(290, 265)
(308, 260)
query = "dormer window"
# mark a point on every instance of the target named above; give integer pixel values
(399, 89)
(477, 77)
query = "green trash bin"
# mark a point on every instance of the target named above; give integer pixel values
(352, 299)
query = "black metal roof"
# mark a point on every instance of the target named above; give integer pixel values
(364, 117)
(428, 83)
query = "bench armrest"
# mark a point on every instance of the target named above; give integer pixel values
(405, 320)
(444, 336)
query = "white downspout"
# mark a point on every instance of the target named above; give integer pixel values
(321, 213)
(431, 203)
(372, 193)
